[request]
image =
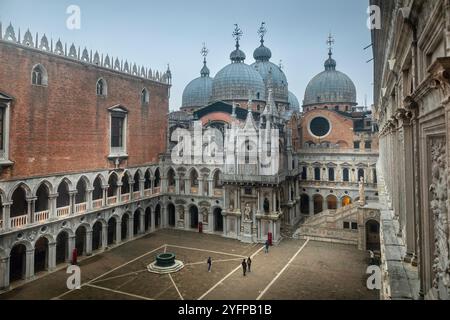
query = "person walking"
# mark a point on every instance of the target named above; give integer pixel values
(266, 246)
(249, 264)
(209, 262)
(244, 267)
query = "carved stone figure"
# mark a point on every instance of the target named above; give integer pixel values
(362, 192)
(205, 215)
(181, 212)
(438, 207)
(248, 212)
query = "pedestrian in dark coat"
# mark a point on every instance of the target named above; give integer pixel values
(209, 262)
(249, 264)
(244, 267)
(266, 246)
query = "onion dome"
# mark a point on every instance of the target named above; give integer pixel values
(293, 102)
(237, 80)
(198, 92)
(330, 87)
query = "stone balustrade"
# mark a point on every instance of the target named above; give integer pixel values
(63, 211)
(41, 216)
(19, 222)
(80, 208)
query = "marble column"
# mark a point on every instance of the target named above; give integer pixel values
(29, 264)
(4, 273)
(88, 247)
(142, 223)
(104, 236)
(311, 205)
(70, 247)
(130, 227)
(52, 256)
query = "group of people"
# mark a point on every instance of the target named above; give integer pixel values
(246, 263)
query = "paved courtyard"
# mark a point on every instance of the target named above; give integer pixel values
(293, 270)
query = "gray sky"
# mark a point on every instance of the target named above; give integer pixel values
(154, 33)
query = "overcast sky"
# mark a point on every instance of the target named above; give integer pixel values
(154, 33)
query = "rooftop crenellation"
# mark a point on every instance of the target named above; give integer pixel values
(85, 55)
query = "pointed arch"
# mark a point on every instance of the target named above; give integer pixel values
(39, 75)
(102, 87)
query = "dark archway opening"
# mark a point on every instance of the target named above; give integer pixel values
(218, 220)
(124, 227)
(41, 255)
(171, 210)
(17, 263)
(80, 240)
(373, 235)
(148, 219)
(158, 216)
(137, 222)
(193, 211)
(112, 225)
(62, 244)
(97, 235)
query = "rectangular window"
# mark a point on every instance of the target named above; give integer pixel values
(356, 144)
(346, 225)
(354, 226)
(117, 131)
(368, 145)
(248, 191)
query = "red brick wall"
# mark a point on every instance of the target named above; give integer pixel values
(342, 127)
(65, 127)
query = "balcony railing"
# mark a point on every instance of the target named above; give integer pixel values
(63, 211)
(136, 195)
(157, 190)
(96, 204)
(18, 222)
(194, 190)
(41, 216)
(112, 200)
(125, 197)
(80, 207)
(171, 189)
(147, 192)
(218, 192)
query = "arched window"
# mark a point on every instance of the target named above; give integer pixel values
(360, 174)
(39, 76)
(305, 173)
(345, 175)
(145, 97)
(317, 174)
(102, 88)
(330, 174)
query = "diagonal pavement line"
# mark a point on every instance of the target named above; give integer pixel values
(179, 293)
(119, 292)
(282, 270)
(226, 277)
(120, 276)
(106, 273)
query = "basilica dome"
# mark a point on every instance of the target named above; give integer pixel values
(293, 102)
(237, 80)
(272, 74)
(198, 92)
(330, 86)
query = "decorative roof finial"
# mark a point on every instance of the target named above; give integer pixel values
(204, 52)
(262, 31)
(280, 65)
(330, 64)
(237, 34)
(330, 42)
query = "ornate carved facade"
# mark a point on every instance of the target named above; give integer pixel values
(412, 103)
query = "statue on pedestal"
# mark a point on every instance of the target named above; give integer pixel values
(248, 212)
(362, 193)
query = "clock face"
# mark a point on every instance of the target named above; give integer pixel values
(320, 127)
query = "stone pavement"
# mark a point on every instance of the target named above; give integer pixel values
(319, 271)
